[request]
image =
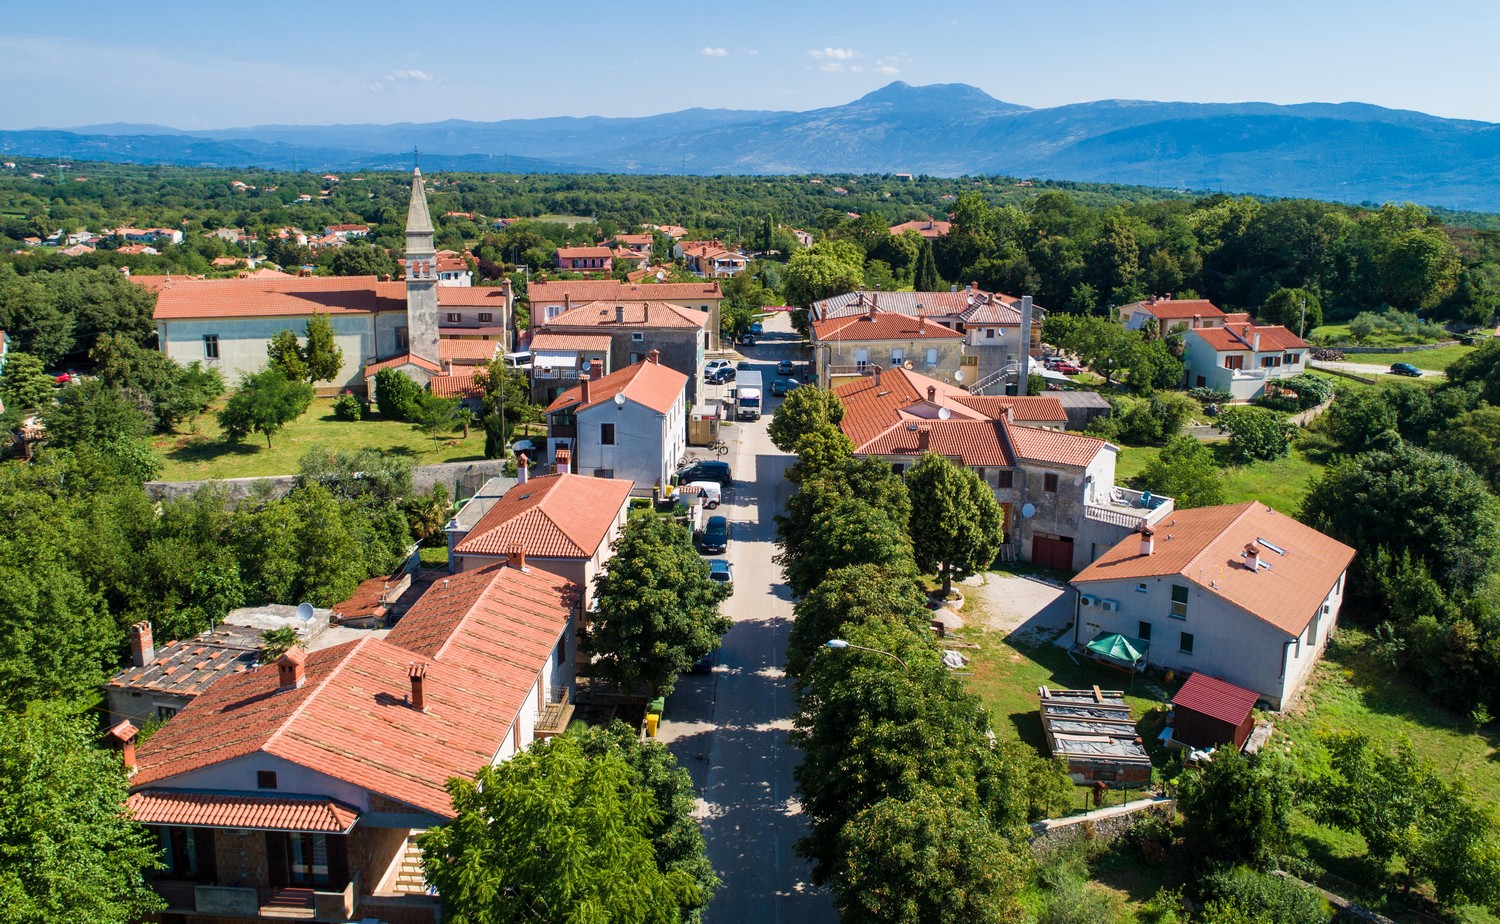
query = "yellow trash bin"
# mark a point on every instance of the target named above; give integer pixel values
(651, 720)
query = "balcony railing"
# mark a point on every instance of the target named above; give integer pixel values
(1131, 509)
(556, 713)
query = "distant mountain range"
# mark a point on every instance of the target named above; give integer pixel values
(1349, 152)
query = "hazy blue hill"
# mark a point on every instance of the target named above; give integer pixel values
(1340, 151)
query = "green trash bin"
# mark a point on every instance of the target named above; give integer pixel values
(658, 705)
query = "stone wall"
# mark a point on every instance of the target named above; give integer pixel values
(1103, 825)
(467, 477)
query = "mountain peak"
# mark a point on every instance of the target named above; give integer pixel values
(901, 93)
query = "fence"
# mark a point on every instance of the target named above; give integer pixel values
(462, 479)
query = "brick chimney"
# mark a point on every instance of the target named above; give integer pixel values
(583, 384)
(654, 357)
(596, 370)
(290, 670)
(122, 738)
(562, 460)
(522, 464)
(567, 302)
(142, 648)
(870, 315)
(1148, 539)
(418, 674)
(515, 557)
(447, 367)
(1252, 557)
(924, 439)
(932, 393)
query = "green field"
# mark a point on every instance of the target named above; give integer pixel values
(569, 220)
(1436, 360)
(1281, 484)
(198, 452)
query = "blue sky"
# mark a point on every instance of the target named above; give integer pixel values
(210, 65)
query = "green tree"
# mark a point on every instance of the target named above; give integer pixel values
(367, 475)
(656, 611)
(1474, 439)
(1298, 310)
(957, 526)
(1362, 420)
(265, 402)
(174, 392)
(1100, 343)
(322, 355)
(362, 260)
(926, 278)
(555, 834)
(802, 411)
(396, 394)
(434, 415)
(851, 532)
(1185, 471)
(1418, 268)
(819, 449)
(24, 383)
(1256, 433)
(868, 479)
(1238, 811)
(825, 269)
(92, 413)
(284, 352)
(1244, 896)
(864, 594)
(69, 853)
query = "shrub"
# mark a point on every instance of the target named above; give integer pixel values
(348, 407)
(396, 394)
(1209, 396)
(1252, 897)
(1256, 433)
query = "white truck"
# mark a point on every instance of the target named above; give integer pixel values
(747, 402)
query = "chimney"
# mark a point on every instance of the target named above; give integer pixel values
(1025, 378)
(447, 367)
(418, 674)
(1009, 413)
(562, 460)
(969, 289)
(522, 464)
(654, 357)
(583, 383)
(1252, 557)
(877, 376)
(567, 302)
(871, 313)
(1255, 344)
(874, 298)
(932, 393)
(122, 738)
(1148, 539)
(619, 314)
(924, 439)
(596, 370)
(515, 557)
(290, 670)
(142, 648)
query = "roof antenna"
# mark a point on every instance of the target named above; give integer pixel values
(415, 156)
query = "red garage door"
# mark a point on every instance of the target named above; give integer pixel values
(1052, 552)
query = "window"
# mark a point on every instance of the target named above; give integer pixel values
(454, 317)
(403, 338)
(898, 356)
(1141, 588)
(562, 649)
(989, 333)
(553, 311)
(1005, 478)
(265, 779)
(1049, 482)
(931, 357)
(211, 346)
(1199, 381)
(1270, 362)
(1186, 644)
(861, 358)
(165, 712)
(1292, 359)
(307, 859)
(485, 317)
(637, 336)
(607, 434)
(1234, 362)
(1143, 631)
(179, 847)
(1179, 601)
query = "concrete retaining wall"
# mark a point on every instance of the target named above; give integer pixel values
(460, 478)
(1103, 825)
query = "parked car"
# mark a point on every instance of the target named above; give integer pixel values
(1406, 369)
(744, 364)
(712, 492)
(1068, 367)
(705, 664)
(782, 386)
(721, 572)
(756, 329)
(715, 536)
(786, 367)
(713, 365)
(721, 375)
(717, 472)
(747, 339)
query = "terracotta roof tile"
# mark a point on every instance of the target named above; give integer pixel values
(553, 516)
(459, 384)
(569, 253)
(881, 326)
(899, 396)
(971, 442)
(405, 359)
(1054, 446)
(1241, 337)
(932, 304)
(1034, 408)
(265, 296)
(1206, 546)
(646, 383)
(636, 315)
(583, 343)
(256, 813)
(460, 350)
(1181, 309)
(612, 290)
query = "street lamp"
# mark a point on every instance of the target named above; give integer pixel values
(839, 644)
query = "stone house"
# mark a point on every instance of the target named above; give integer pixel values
(854, 346)
(635, 329)
(550, 299)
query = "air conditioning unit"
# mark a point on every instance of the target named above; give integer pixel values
(1111, 606)
(1089, 600)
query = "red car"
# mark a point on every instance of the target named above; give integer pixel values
(1068, 367)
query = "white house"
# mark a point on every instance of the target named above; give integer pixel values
(1241, 357)
(1239, 591)
(630, 424)
(1174, 315)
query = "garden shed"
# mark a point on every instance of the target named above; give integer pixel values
(1208, 712)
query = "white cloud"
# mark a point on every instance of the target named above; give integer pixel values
(886, 67)
(715, 53)
(752, 52)
(831, 67)
(836, 54)
(408, 75)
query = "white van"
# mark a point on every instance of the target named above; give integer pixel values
(710, 492)
(518, 360)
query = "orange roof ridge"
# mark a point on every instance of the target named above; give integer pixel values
(313, 693)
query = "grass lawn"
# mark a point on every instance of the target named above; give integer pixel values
(1436, 360)
(198, 452)
(1282, 483)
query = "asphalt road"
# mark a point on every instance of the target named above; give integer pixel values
(729, 728)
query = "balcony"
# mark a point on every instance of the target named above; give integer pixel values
(556, 714)
(1130, 509)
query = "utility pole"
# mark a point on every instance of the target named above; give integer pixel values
(1302, 323)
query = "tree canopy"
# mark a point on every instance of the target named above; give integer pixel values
(264, 403)
(957, 526)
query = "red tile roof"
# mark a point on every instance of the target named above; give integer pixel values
(635, 315)
(264, 296)
(1181, 309)
(882, 325)
(1206, 546)
(972, 442)
(571, 253)
(1233, 338)
(404, 359)
(1055, 447)
(583, 343)
(612, 290)
(553, 516)
(926, 227)
(256, 813)
(1217, 699)
(1034, 408)
(637, 239)
(459, 384)
(189, 668)
(460, 350)
(646, 383)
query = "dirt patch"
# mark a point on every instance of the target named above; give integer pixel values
(1023, 608)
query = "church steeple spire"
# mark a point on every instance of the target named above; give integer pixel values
(421, 276)
(418, 220)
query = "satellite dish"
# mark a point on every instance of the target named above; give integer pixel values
(944, 413)
(619, 399)
(958, 376)
(660, 275)
(1028, 511)
(305, 612)
(908, 364)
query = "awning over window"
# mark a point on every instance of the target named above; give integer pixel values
(261, 813)
(544, 360)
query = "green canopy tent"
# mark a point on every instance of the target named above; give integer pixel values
(1119, 651)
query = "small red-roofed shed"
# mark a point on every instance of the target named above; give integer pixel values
(1208, 712)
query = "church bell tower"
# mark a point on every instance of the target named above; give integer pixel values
(421, 276)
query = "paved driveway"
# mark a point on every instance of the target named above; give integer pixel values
(728, 728)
